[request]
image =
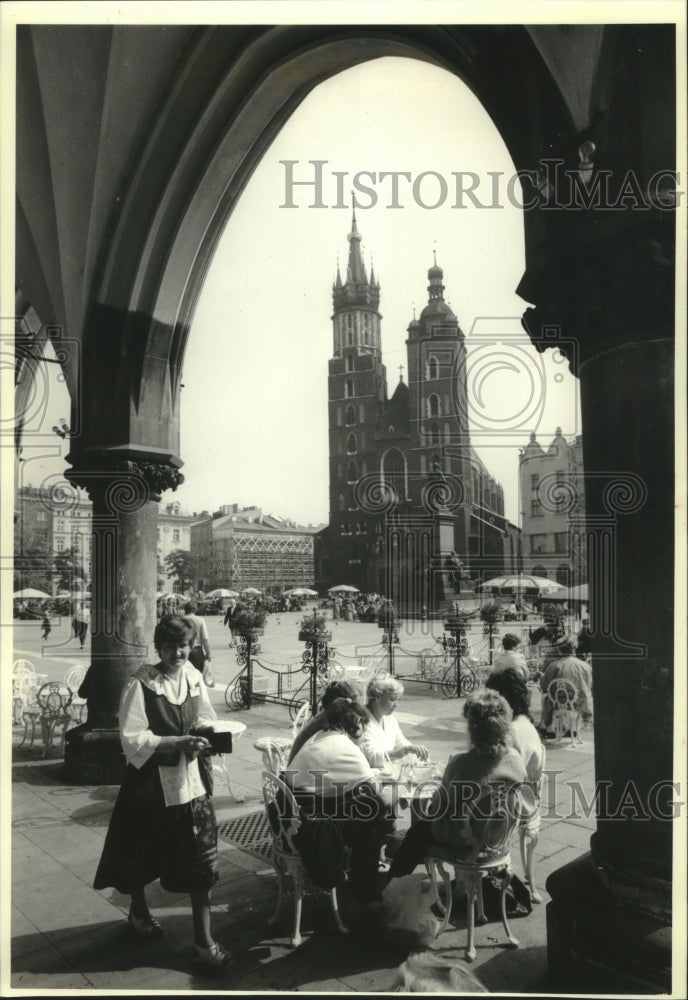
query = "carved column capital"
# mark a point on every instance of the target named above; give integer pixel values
(125, 485)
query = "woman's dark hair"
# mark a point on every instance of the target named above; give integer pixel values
(510, 641)
(346, 715)
(511, 686)
(339, 689)
(489, 723)
(171, 628)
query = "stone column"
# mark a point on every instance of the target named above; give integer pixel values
(609, 919)
(125, 499)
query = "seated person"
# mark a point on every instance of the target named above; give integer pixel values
(569, 668)
(382, 739)
(490, 759)
(511, 656)
(335, 689)
(526, 738)
(336, 789)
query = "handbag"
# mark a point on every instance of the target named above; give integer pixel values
(406, 911)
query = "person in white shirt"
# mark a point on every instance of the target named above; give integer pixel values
(382, 739)
(163, 823)
(337, 792)
(511, 656)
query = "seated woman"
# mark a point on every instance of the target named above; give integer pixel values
(334, 690)
(491, 758)
(337, 792)
(512, 688)
(382, 739)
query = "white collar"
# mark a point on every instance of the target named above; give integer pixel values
(158, 682)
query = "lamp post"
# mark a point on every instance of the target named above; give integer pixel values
(388, 621)
(459, 640)
(317, 654)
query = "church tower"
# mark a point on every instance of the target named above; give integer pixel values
(357, 390)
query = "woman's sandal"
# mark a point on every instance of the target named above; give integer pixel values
(214, 957)
(146, 926)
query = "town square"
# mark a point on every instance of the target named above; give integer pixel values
(343, 500)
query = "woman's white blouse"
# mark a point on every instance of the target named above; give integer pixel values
(181, 782)
(380, 738)
(329, 763)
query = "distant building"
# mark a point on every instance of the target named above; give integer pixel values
(243, 547)
(414, 513)
(553, 501)
(47, 525)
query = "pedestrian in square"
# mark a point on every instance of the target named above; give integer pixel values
(163, 824)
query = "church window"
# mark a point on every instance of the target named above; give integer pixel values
(351, 444)
(447, 434)
(349, 388)
(535, 508)
(350, 418)
(361, 528)
(361, 413)
(390, 429)
(534, 480)
(432, 370)
(434, 432)
(341, 501)
(339, 416)
(349, 362)
(423, 465)
(350, 338)
(340, 470)
(394, 472)
(352, 473)
(433, 405)
(364, 468)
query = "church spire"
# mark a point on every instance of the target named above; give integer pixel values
(355, 270)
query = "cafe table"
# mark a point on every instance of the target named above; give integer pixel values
(237, 729)
(410, 786)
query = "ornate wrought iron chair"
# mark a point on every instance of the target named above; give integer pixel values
(529, 826)
(301, 718)
(73, 680)
(275, 753)
(53, 701)
(566, 717)
(283, 815)
(24, 684)
(500, 808)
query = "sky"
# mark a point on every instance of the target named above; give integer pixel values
(254, 403)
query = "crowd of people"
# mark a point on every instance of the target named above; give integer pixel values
(163, 824)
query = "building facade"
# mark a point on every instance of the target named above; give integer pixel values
(243, 547)
(51, 522)
(553, 509)
(414, 513)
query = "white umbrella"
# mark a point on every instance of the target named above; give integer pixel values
(300, 592)
(28, 593)
(221, 592)
(522, 582)
(343, 588)
(579, 593)
(251, 590)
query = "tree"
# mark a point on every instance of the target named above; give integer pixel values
(67, 568)
(182, 565)
(32, 564)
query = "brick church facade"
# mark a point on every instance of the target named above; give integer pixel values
(414, 513)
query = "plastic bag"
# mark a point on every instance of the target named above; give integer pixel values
(426, 972)
(406, 911)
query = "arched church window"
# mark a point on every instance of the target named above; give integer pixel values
(434, 432)
(390, 429)
(433, 405)
(351, 444)
(352, 473)
(394, 472)
(349, 363)
(349, 388)
(350, 417)
(432, 370)
(447, 434)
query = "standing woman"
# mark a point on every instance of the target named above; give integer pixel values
(163, 823)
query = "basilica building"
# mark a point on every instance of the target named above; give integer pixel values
(414, 513)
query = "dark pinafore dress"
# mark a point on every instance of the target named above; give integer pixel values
(146, 839)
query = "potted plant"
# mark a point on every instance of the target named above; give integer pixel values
(248, 622)
(314, 627)
(554, 616)
(491, 612)
(387, 617)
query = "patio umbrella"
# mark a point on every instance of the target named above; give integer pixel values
(579, 593)
(343, 588)
(251, 590)
(221, 592)
(523, 582)
(300, 592)
(28, 593)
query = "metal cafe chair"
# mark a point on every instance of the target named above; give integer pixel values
(490, 857)
(566, 717)
(283, 816)
(53, 701)
(529, 826)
